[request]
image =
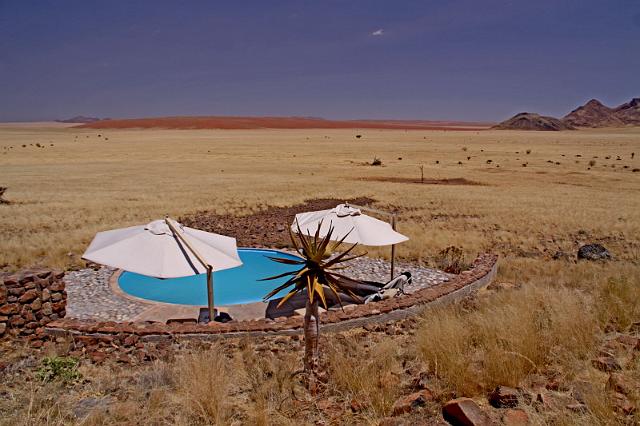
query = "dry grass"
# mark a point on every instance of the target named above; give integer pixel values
(64, 194)
(371, 379)
(506, 338)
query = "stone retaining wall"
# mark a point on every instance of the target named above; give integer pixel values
(29, 300)
(129, 334)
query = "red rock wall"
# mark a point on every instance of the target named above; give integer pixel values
(29, 300)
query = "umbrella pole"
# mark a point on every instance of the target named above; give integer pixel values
(393, 246)
(202, 261)
(210, 292)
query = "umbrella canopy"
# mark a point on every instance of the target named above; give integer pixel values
(363, 229)
(154, 250)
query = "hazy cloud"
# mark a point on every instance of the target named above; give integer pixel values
(378, 32)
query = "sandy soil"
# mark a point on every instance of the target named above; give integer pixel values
(278, 123)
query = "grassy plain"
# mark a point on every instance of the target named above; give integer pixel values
(539, 333)
(80, 183)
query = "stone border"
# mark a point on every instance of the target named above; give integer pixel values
(482, 272)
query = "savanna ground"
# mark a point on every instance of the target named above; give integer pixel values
(533, 194)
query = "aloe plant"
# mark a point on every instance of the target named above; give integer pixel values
(317, 275)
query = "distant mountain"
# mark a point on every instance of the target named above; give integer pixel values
(629, 112)
(593, 114)
(532, 121)
(80, 119)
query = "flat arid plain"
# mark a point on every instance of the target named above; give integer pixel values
(533, 198)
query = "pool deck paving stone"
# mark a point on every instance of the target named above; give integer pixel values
(92, 296)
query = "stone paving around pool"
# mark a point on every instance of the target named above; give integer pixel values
(90, 295)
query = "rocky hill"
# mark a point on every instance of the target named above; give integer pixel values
(629, 112)
(532, 121)
(593, 114)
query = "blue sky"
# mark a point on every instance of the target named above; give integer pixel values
(458, 59)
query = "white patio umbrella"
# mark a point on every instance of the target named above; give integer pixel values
(165, 249)
(346, 219)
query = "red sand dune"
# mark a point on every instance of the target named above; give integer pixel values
(278, 123)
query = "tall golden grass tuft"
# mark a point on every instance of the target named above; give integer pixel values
(507, 337)
(371, 379)
(202, 384)
(618, 303)
(271, 385)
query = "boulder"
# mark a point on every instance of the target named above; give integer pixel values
(593, 252)
(464, 412)
(3, 328)
(407, 403)
(503, 396)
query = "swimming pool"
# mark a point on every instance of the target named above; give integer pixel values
(231, 287)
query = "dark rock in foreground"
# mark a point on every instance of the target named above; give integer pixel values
(593, 252)
(503, 396)
(464, 412)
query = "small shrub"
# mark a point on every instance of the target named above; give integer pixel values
(460, 162)
(358, 136)
(376, 162)
(635, 170)
(54, 368)
(468, 158)
(592, 163)
(528, 151)
(464, 148)
(437, 161)
(618, 303)
(489, 161)
(524, 164)
(2, 191)
(451, 260)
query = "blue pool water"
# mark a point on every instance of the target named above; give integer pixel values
(231, 287)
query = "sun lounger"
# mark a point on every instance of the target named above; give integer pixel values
(364, 289)
(390, 289)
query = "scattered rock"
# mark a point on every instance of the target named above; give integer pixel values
(622, 404)
(503, 396)
(606, 363)
(593, 252)
(561, 255)
(577, 408)
(622, 384)
(630, 341)
(86, 405)
(464, 412)
(408, 403)
(513, 417)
